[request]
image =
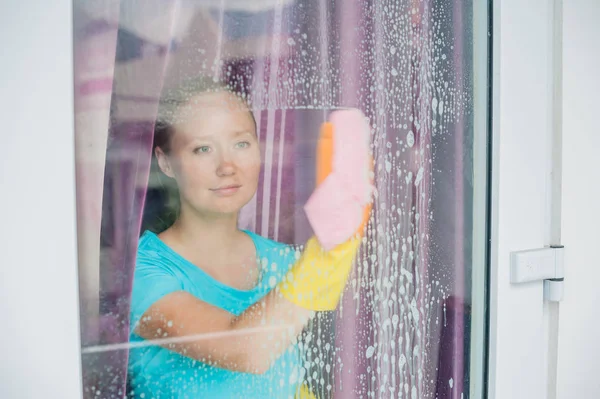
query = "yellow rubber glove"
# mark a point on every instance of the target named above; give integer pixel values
(304, 393)
(317, 279)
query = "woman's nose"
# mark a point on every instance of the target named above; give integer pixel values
(226, 166)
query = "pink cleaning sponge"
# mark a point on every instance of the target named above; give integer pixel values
(335, 208)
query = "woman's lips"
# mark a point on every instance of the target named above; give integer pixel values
(226, 191)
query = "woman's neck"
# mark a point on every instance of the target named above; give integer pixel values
(212, 232)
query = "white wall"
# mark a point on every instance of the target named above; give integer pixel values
(39, 326)
(579, 331)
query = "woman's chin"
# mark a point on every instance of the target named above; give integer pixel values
(228, 208)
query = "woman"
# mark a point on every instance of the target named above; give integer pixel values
(203, 279)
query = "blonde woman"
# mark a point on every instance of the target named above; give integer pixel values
(225, 305)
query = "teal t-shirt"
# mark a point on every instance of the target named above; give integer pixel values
(155, 372)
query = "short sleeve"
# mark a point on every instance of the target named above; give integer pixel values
(152, 280)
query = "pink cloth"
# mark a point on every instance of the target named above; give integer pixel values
(335, 208)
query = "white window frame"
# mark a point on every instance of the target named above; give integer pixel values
(39, 337)
(525, 200)
(38, 248)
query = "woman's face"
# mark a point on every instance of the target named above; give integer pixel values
(214, 157)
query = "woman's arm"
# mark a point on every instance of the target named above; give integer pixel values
(247, 343)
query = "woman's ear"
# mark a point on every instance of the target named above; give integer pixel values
(163, 162)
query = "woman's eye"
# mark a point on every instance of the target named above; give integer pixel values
(202, 149)
(243, 144)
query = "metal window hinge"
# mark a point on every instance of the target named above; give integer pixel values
(547, 264)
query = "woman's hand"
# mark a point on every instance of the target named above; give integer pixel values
(318, 278)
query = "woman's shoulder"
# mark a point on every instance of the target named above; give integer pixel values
(151, 251)
(267, 243)
(270, 249)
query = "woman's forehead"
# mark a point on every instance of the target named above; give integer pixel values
(208, 114)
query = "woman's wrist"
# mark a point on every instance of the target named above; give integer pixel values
(317, 279)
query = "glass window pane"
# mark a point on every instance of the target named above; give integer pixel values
(224, 174)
